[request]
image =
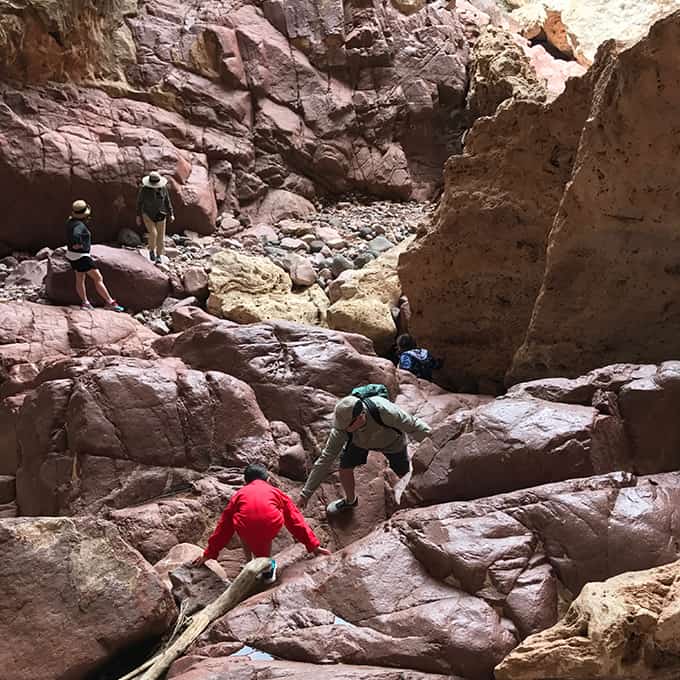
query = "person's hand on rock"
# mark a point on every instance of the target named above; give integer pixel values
(322, 551)
(199, 561)
(302, 502)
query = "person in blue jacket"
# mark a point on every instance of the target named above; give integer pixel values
(416, 360)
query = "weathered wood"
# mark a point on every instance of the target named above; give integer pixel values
(241, 587)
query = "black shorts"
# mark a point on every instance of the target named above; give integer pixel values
(83, 264)
(353, 456)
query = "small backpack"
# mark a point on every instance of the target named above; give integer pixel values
(419, 362)
(365, 392)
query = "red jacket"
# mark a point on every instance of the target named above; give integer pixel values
(257, 512)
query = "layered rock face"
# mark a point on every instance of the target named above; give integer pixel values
(626, 627)
(479, 279)
(246, 106)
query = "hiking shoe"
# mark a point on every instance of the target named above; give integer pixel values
(152, 256)
(341, 505)
(87, 306)
(115, 307)
(269, 577)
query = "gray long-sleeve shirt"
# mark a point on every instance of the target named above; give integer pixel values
(372, 436)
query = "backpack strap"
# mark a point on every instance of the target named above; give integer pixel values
(374, 411)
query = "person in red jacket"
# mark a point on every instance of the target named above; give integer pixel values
(256, 513)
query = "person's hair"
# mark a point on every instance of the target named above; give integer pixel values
(405, 342)
(255, 471)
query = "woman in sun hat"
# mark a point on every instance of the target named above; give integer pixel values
(154, 208)
(79, 241)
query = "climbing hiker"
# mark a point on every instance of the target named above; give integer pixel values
(154, 208)
(414, 359)
(256, 513)
(364, 421)
(78, 244)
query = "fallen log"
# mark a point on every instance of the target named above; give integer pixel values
(241, 587)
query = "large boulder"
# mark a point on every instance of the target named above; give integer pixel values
(247, 289)
(135, 282)
(131, 429)
(515, 443)
(500, 70)
(33, 335)
(626, 627)
(611, 277)
(78, 588)
(363, 299)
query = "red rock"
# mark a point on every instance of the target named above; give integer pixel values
(102, 597)
(238, 668)
(196, 282)
(510, 444)
(7, 489)
(129, 425)
(131, 279)
(32, 335)
(282, 205)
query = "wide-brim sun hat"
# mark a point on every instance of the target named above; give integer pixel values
(80, 209)
(344, 412)
(154, 180)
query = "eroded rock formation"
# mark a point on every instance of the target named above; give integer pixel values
(244, 105)
(588, 179)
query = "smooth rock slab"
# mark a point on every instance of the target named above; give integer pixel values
(73, 594)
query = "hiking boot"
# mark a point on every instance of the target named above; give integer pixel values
(86, 306)
(269, 577)
(114, 306)
(336, 507)
(152, 256)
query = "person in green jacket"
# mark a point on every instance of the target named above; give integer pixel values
(154, 208)
(360, 426)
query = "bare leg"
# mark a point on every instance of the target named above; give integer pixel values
(348, 485)
(160, 237)
(98, 281)
(80, 286)
(151, 233)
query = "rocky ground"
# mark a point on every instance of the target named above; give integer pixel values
(342, 235)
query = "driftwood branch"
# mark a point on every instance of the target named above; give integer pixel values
(241, 587)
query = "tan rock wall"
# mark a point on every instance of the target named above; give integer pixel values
(472, 278)
(611, 286)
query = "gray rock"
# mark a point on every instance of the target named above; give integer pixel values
(380, 244)
(129, 237)
(362, 259)
(159, 326)
(316, 246)
(339, 264)
(43, 253)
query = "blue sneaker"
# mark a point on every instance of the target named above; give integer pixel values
(115, 307)
(269, 577)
